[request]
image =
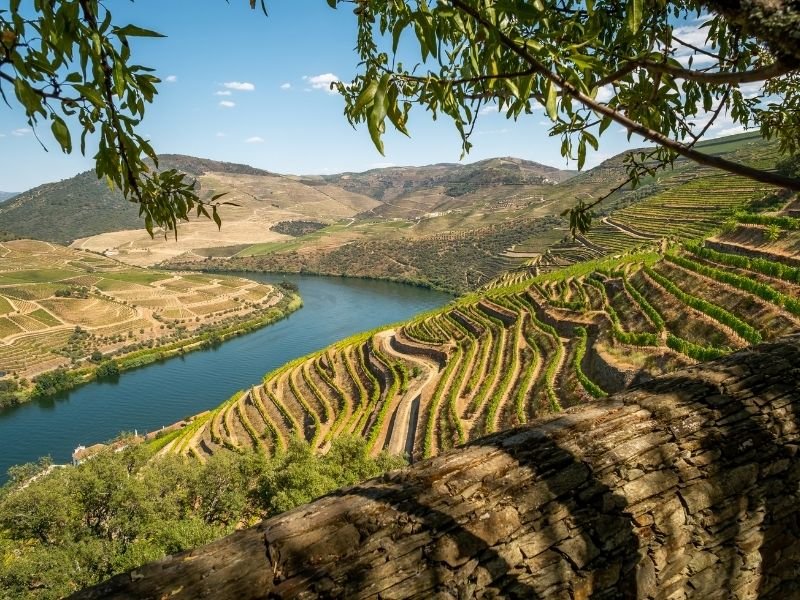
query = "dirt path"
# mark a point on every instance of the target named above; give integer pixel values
(629, 231)
(402, 429)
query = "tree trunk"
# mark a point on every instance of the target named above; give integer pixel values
(686, 486)
(775, 22)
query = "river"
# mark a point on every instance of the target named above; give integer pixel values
(162, 393)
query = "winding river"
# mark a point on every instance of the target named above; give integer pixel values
(162, 393)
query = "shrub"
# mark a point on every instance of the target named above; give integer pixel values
(772, 233)
(107, 369)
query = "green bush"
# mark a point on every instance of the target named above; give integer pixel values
(106, 369)
(52, 383)
(80, 525)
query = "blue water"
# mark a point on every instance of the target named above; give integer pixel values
(162, 393)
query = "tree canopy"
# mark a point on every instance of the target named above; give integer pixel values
(589, 63)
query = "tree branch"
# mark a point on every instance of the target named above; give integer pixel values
(42, 93)
(717, 77)
(619, 118)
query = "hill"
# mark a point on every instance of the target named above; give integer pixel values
(413, 192)
(7, 195)
(503, 227)
(66, 309)
(451, 226)
(532, 344)
(62, 211)
(83, 205)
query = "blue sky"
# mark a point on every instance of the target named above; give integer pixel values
(242, 87)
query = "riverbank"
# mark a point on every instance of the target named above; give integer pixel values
(167, 391)
(220, 267)
(57, 381)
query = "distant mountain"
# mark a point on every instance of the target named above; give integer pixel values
(454, 179)
(83, 205)
(7, 195)
(192, 165)
(433, 199)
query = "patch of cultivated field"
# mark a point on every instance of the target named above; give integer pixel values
(59, 306)
(92, 312)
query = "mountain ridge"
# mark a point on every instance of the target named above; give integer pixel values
(82, 206)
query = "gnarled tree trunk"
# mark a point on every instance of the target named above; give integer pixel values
(776, 22)
(686, 486)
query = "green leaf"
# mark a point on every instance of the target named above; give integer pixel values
(377, 113)
(550, 103)
(119, 78)
(634, 15)
(61, 133)
(28, 97)
(365, 97)
(135, 31)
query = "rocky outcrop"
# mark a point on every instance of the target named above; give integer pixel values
(686, 486)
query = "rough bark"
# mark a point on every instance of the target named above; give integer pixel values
(686, 486)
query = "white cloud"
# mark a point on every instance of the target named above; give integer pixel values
(2, 135)
(692, 34)
(728, 131)
(604, 94)
(239, 86)
(322, 82)
(220, 134)
(492, 131)
(724, 125)
(751, 90)
(489, 109)
(698, 60)
(223, 93)
(171, 78)
(227, 104)
(254, 140)
(286, 86)
(695, 35)
(21, 131)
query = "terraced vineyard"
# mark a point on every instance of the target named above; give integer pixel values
(689, 211)
(60, 307)
(496, 359)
